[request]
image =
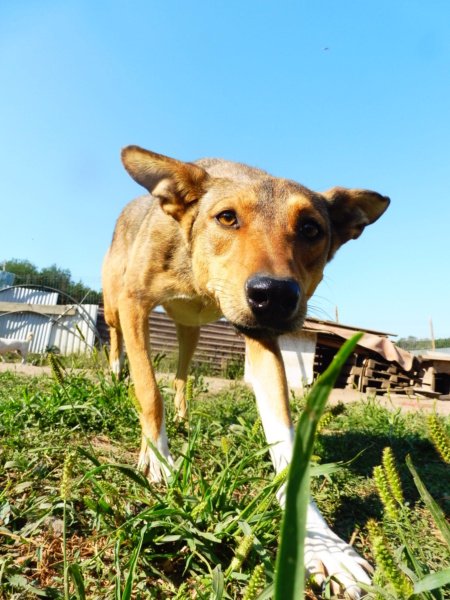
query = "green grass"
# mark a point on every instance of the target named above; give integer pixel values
(127, 539)
(163, 362)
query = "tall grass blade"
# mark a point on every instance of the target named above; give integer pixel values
(129, 583)
(267, 593)
(89, 456)
(290, 577)
(434, 509)
(75, 574)
(118, 584)
(218, 585)
(432, 581)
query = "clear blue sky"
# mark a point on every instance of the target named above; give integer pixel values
(245, 80)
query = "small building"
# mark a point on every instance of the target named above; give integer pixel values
(65, 328)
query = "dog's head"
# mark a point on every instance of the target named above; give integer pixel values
(258, 244)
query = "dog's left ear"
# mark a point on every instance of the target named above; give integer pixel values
(350, 211)
(177, 185)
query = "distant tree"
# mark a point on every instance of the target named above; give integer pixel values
(55, 271)
(54, 277)
(21, 268)
(413, 343)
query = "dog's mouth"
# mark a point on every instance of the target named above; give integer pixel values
(259, 331)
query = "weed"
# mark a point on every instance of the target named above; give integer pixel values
(125, 536)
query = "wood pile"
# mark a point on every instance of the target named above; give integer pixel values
(368, 374)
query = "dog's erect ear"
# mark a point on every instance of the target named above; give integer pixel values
(176, 184)
(350, 211)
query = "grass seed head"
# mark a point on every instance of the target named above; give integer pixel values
(392, 475)
(324, 421)
(256, 427)
(65, 489)
(385, 493)
(225, 442)
(281, 477)
(257, 581)
(386, 563)
(80, 333)
(176, 498)
(189, 390)
(199, 509)
(439, 437)
(108, 489)
(242, 552)
(133, 398)
(57, 370)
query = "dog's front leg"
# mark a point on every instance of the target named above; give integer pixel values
(270, 387)
(325, 553)
(135, 328)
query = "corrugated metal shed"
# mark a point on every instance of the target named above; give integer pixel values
(61, 331)
(20, 324)
(65, 335)
(28, 295)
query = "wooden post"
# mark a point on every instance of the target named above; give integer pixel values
(433, 345)
(336, 313)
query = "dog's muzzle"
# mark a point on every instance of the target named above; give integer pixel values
(271, 300)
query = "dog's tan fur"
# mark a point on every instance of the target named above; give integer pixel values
(176, 248)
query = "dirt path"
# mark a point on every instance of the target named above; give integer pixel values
(215, 384)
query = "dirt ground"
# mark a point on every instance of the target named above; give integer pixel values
(406, 403)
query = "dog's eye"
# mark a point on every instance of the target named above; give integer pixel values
(227, 218)
(310, 230)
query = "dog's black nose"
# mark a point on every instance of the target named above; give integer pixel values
(269, 297)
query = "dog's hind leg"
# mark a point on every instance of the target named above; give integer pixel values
(187, 343)
(116, 352)
(135, 328)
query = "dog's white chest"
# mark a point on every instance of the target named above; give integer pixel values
(192, 311)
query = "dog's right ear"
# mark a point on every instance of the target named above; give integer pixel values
(177, 185)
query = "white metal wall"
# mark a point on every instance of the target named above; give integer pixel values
(19, 325)
(65, 336)
(58, 331)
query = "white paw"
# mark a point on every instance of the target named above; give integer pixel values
(326, 555)
(117, 366)
(149, 463)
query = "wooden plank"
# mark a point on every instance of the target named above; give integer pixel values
(375, 373)
(400, 379)
(356, 370)
(426, 392)
(41, 309)
(375, 364)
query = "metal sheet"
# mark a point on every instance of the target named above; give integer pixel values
(66, 337)
(58, 331)
(19, 325)
(28, 295)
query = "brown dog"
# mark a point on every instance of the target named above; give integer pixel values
(217, 238)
